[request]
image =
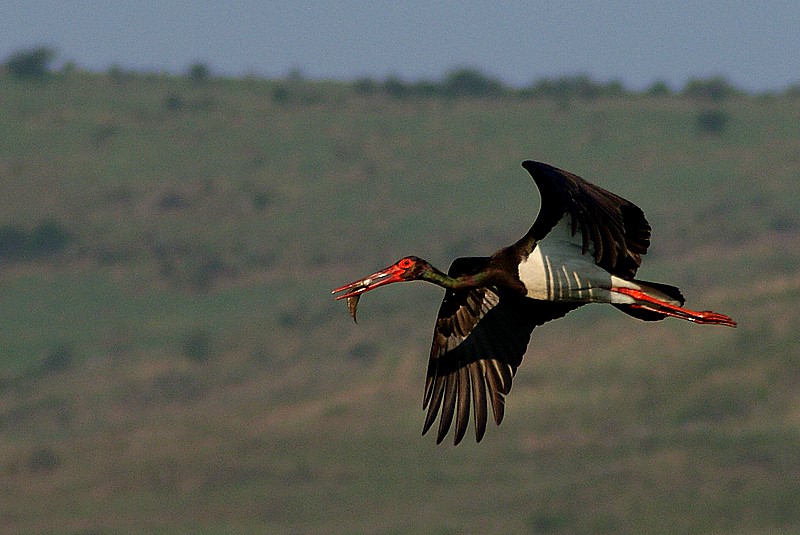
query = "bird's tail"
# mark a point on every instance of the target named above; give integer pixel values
(653, 301)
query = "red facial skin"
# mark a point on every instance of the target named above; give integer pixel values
(400, 271)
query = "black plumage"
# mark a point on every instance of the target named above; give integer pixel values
(488, 313)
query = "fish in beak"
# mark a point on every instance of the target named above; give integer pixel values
(353, 291)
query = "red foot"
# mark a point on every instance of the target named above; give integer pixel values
(656, 305)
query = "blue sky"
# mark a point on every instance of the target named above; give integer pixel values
(756, 45)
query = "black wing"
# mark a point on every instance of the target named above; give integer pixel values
(614, 228)
(480, 338)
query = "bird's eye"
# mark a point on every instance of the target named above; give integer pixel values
(405, 263)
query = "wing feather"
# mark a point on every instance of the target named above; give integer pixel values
(615, 229)
(478, 399)
(462, 405)
(448, 405)
(480, 338)
(481, 334)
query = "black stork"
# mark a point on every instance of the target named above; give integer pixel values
(585, 246)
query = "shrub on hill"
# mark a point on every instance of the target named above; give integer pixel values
(12, 242)
(46, 239)
(712, 121)
(659, 88)
(365, 86)
(579, 86)
(43, 460)
(715, 89)
(395, 87)
(197, 345)
(30, 64)
(471, 83)
(199, 74)
(60, 358)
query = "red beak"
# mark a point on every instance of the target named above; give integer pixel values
(377, 279)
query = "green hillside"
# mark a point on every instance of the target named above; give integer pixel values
(173, 362)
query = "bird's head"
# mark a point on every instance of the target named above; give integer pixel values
(406, 269)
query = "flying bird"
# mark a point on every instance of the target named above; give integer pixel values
(585, 246)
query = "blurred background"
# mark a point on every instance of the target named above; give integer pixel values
(183, 185)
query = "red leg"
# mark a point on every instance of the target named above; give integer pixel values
(651, 303)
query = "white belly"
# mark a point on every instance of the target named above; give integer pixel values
(557, 271)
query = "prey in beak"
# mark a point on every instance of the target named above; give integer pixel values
(352, 292)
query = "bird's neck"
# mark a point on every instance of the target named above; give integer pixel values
(461, 282)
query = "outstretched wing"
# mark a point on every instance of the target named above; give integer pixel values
(612, 229)
(479, 340)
